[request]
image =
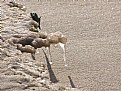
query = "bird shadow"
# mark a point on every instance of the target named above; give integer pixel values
(52, 76)
(71, 82)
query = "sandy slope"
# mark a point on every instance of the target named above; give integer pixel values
(18, 71)
(94, 41)
(93, 28)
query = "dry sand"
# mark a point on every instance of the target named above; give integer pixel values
(93, 50)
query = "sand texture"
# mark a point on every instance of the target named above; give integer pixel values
(93, 50)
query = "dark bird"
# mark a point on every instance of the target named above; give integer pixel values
(35, 17)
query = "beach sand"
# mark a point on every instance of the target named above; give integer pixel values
(93, 50)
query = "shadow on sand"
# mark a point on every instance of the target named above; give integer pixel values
(53, 78)
(71, 82)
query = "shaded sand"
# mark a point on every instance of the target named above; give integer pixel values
(93, 50)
